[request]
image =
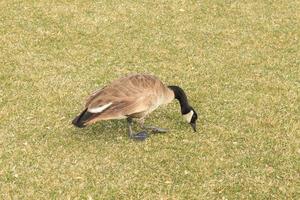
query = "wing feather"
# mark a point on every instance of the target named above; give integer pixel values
(126, 96)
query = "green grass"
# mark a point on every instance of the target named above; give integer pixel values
(238, 61)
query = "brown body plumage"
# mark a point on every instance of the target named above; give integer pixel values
(133, 96)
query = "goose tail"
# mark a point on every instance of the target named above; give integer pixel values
(80, 120)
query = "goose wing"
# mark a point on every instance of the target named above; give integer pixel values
(120, 99)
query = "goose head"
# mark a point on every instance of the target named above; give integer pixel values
(187, 111)
(191, 117)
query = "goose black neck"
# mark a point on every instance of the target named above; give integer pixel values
(181, 97)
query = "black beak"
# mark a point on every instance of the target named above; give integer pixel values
(193, 126)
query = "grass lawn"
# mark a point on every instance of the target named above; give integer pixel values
(238, 61)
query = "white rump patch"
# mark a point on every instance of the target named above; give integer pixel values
(188, 116)
(99, 109)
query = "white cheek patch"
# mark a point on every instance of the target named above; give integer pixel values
(99, 109)
(188, 116)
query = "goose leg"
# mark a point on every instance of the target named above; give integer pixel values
(136, 136)
(155, 129)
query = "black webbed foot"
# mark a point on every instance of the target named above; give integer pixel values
(140, 136)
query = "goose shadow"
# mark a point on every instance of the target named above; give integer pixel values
(108, 130)
(102, 130)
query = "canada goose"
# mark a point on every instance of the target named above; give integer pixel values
(133, 96)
